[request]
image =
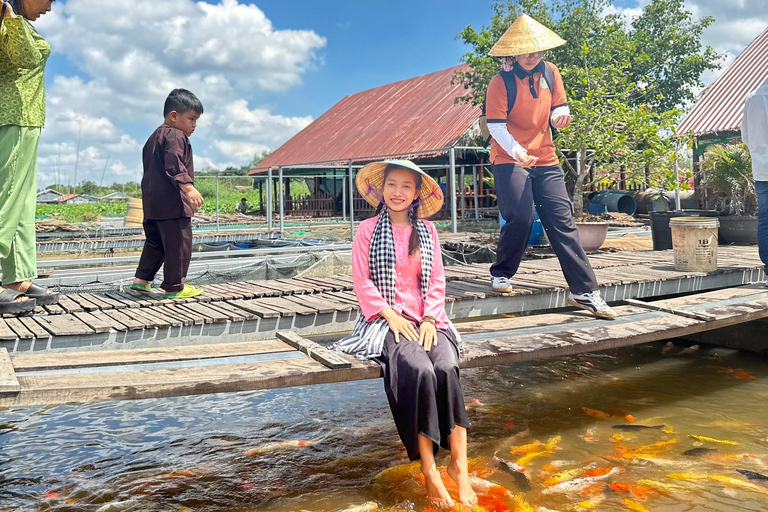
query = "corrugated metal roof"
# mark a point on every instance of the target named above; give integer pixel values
(410, 116)
(721, 104)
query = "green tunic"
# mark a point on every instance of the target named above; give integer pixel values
(23, 54)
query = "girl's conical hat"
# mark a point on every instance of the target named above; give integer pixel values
(370, 184)
(526, 35)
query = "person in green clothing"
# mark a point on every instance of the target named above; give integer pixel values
(23, 54)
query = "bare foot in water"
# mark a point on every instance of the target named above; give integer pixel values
(459, 475)
(436, 492)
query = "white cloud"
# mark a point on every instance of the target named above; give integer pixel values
(130, 54)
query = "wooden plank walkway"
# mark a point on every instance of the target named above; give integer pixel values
(37, 379)
(256, 310)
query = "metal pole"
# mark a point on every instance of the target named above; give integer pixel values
(281, 195)
(677, 185)
(269, 200)
(343, 197)
(463, 199)
(474, 180)
(217, 200)
(452, 186)
(351, 202)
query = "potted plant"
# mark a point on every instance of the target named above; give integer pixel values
(727, 170)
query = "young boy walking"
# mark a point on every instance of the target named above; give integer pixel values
(170, 198)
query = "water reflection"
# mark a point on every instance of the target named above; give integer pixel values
(191, 453)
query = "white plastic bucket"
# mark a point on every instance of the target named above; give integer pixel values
(694, 242)
(134, 213)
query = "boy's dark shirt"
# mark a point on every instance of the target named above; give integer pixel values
(167, 165)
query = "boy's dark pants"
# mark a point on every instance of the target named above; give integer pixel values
(168, 241)
(517, 190)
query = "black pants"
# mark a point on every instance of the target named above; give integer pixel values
(517, 190)
(170, 242)
(423, 390)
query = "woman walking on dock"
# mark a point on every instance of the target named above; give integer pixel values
(400, 284)
(23, 55)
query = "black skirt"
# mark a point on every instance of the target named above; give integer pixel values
(423, 390)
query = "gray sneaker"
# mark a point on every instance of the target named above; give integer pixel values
(593, 303)
(501, 284)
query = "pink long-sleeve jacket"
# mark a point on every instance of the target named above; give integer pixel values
(408, 296)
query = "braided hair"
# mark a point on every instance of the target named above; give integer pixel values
(413, 213)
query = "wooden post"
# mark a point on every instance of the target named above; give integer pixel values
(261, 196)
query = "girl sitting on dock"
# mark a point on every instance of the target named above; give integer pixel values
(400, 284)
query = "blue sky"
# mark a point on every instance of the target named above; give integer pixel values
(263, 68)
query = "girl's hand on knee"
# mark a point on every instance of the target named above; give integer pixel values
(427, 335)
(399, 325)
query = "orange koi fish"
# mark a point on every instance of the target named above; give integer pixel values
(738, 374)
(639, 491)
(278, 446)
(596, 472)
(621, 413)
(491, 504)
(600, 415)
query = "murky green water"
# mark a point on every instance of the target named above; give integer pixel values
(190, 453)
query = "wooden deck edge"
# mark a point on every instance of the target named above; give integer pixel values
(9, 384)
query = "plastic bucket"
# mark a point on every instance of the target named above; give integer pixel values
(134, 213)
(538, 236)
(615, 201)
(694, 242)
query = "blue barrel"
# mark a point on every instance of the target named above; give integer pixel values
(615, 201)
(537, 237)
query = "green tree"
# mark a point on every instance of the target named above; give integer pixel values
(624, 82)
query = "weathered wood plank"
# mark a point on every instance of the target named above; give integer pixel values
(256, 307)
(6, 333)
(52, 389)
(45, 361)
(126, 318)
(35, 327)
(8, 381)
(64, 325)
(660, 307)
(19, 328)
(69, 305)
(211, 315)
(314, 350)
(108, 320)
(95, 323)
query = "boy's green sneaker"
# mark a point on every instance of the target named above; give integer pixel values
(141, 287)
(185, 293)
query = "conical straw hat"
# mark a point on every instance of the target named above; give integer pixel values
(370, 184)
(526, 35)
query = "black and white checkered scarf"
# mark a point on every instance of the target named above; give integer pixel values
(367, 338)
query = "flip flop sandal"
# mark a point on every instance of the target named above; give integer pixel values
(185, 293)
(9, 304)
(145, 288)
(37, 292)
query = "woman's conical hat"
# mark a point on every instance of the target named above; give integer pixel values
(370, 184)
(526, 35)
